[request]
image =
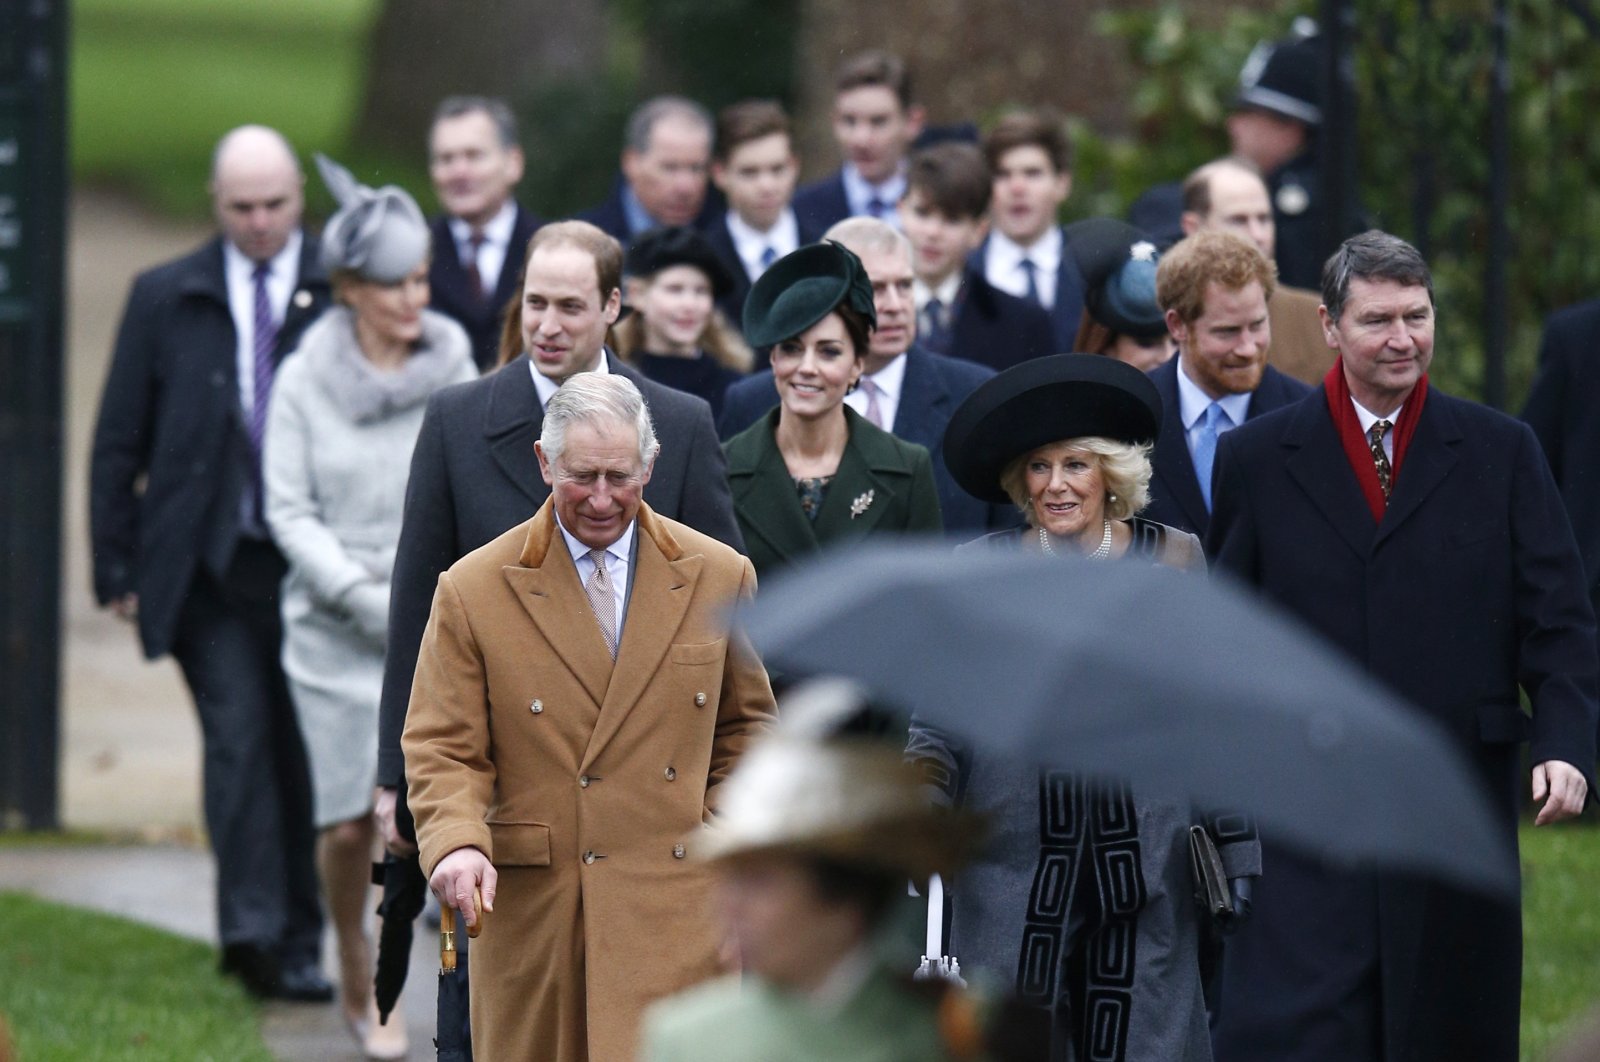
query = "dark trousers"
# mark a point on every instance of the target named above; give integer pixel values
(257, 785)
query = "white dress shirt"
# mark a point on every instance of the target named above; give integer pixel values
(947, 291)
(858, 192)
(617, 555)
(1192, 405)
(1369, 418)
(1002, 264)
(239, 272)
(492, 252)
(547, 387)
(751, 243)
(891, 380)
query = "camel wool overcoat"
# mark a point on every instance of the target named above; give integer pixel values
(583, 779)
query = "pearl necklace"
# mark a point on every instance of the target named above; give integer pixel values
(1100, 554)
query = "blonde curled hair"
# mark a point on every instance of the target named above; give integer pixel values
(1124, 469)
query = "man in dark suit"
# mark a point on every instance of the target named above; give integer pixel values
(909, 391)
(479, 241)
(1215, 288)
(474, 473)
(874, 123)
(180, 544)
(666, 159)
(1561, 412)
(1423, 536)
(1026, 254)
(945, 215)
(755, 169)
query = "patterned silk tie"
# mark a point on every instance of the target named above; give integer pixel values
(1205, 447)
(874, 411)
(475, 244)
(263, 340)
(1380, 460)
(602, 600)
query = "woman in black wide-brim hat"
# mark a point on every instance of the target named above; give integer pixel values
(813, 472)
(1084, 900)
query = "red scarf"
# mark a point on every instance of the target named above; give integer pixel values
(1357, 448)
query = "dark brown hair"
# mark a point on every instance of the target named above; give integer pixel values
(952, 178)
(875, 67)
(1040, 127)
(740, 123)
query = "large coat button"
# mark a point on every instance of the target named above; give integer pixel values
(583, 781)
(700, 700)
(677, 851)
(672, 774)
(536, 707)
(588, 857)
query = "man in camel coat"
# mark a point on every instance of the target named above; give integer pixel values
(578, 700)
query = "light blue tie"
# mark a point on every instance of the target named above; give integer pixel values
(1205, 447)
(769, 254)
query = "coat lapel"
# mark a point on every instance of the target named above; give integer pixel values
(857, 497)
(659, 596)
(1318, 464)
(1429, 459)
(547, 587)
(511, 422)
(764, 494)
(924, 403)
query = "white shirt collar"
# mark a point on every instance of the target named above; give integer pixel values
(621, 549)
(496, 231)
(1045, 252)
(751, 243)
(947, 291)
(891, 378)
(858, 190)
(1369, 418)
(1192, 402)
(285, 266)
(547, 387)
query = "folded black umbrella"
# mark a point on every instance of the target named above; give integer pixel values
(1162, 677)
(405, 891)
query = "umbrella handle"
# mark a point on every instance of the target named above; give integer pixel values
(447, 939)
(477, 909)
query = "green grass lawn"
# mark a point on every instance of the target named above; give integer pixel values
(76, 986)
(1561, 932)
(155, 82)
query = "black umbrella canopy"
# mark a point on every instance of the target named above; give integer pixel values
(1148, 673)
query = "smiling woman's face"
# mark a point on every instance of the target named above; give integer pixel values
(814, 370)
(1067, 489)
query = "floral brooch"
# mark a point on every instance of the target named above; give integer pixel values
(861, 504)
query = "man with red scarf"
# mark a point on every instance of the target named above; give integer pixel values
(1423, 535)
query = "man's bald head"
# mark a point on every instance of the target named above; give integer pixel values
(256, 190)
(1230, 194)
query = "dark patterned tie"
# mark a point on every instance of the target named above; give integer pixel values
(1031, 270)
(1380, 460)
(475, 244)
(265, 340)
(934, 324)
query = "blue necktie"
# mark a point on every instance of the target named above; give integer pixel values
(769, 254)
(877, 207)
(1032, 273)
(1205, 447)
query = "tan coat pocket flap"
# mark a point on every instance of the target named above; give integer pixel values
(520, 844)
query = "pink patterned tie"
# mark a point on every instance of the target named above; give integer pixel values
(874, 410)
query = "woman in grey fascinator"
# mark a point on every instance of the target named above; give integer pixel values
(345, 413)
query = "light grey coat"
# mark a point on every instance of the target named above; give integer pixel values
(336, 455)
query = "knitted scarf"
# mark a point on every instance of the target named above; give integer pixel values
(1356, 447)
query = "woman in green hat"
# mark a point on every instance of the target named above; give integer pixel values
(813, 472)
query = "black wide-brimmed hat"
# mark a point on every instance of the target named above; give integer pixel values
(1118, 263)
(664, 248)
(802, 288)
(1046, 400)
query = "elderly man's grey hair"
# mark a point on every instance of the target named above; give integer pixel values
(642, 122)
(868, 235)
(597, 399)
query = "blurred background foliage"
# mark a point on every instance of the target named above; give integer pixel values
(154, 81)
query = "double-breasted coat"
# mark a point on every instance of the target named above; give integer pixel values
(1469, 587)
(883, 484)
(583, 779)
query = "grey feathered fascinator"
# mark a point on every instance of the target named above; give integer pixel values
(379, 234)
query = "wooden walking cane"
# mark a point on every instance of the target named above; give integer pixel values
(447, 931)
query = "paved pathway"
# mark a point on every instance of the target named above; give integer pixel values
(130, 751)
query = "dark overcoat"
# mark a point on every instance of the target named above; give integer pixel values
(474, 474)
(883, 485)
(1174, 489)
(934, 386)
(995, 329)
(1469, 587)
(1066, 313)
(822, 203)
(171, 417)
(451, 296)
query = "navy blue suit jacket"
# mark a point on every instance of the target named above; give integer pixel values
(1174, 489)
(447, 282)
(1468, 588)
(995, 329)
(934, 386)
(1067, 312)
(820, 204)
